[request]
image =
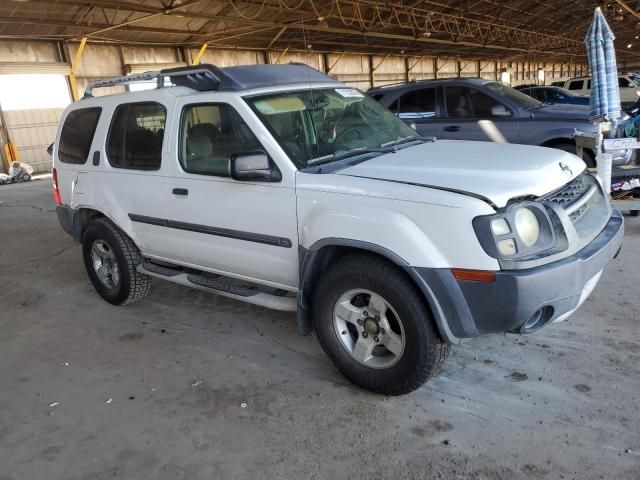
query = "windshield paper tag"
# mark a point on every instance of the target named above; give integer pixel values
(349, 92)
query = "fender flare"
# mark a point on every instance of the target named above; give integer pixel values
(311, 262)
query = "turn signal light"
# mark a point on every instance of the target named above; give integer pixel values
(474, 275)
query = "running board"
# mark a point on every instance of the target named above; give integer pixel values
(244, 293)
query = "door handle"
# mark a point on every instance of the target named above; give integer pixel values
(180, 191)
(452, 128)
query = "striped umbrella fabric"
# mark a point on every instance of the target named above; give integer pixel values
(605, 93)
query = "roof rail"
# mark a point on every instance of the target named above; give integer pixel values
(198, 77)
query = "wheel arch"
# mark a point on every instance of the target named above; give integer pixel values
(322, 254)
(82, 216)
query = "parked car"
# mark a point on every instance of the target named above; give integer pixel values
(629, 90)
(281, 187)
(554, 95)
(478, 109)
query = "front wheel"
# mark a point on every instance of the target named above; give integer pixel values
(376, 327)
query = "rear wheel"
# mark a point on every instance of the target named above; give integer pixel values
(374, 324)
(111, 259)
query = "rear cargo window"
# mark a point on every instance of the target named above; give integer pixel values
(136, 135)
(77, 135)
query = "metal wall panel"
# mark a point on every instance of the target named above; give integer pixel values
(33, 131)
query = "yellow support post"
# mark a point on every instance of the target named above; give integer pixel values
(282, 54)
(74, 67)
(333, 65)
(203, 49)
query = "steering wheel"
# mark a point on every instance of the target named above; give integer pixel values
(341, 136)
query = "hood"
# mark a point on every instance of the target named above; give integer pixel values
(564, 111)
(495, 172)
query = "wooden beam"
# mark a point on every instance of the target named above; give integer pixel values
(275, 39)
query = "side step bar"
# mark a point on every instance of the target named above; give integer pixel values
(244, 293)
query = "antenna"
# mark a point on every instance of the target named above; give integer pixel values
(313, 101)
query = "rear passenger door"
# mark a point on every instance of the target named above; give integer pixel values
(243, 229)
(127, 177)
(474, 115)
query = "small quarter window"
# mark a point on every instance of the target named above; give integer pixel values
(209, 135)
(135, 136)
(77, 135)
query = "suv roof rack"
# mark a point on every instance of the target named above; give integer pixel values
(207, 77)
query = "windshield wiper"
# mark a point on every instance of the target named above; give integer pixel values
(342, 154)
(387, 147)
(407, 139)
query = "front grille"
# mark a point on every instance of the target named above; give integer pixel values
(571, 192)
(584, 202)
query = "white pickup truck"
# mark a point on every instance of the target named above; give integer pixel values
(279, 186)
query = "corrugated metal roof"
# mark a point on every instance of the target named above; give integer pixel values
(549, 30)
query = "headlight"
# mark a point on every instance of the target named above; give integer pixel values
(527, 226)
(518, 231)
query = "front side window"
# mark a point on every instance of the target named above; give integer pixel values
(576, 85)
(418, 104)
(77, 135)
(317, 126)
(209, 135)
(463, 102)
(136, 135)
(624, 82)
(512, 94)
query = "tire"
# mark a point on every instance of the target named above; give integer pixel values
(571, 148)
(407, 315)
(634, 213)
(105, 245)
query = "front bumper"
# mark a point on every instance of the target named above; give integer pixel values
(519, 300)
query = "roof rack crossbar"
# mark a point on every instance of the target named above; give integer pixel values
(124, 80)
(199, 77)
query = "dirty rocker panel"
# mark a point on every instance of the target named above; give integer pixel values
(219, 232)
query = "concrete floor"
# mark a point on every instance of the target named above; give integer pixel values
(156, 389)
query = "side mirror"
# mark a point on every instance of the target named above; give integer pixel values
(50, 150)
(253, 166)
(500, 111)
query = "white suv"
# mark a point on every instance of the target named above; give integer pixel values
(629, 91)
(279, 186)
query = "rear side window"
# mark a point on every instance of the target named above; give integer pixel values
(77, 135)
(136, 135)
(209, 135)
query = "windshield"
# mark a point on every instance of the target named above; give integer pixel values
(514, 95)
(318, 126)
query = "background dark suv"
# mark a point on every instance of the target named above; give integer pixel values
(476, 109)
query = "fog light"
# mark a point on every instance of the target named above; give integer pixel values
(507, 247)
(499, 226)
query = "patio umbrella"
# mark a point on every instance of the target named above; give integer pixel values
(605, 95)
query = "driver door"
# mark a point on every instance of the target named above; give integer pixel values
(474, 115)
(243, 229)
